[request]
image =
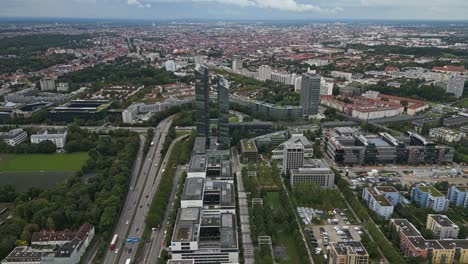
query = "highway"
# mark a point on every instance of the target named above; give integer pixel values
(152, 253)
(141, 191)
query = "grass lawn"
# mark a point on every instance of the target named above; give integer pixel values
(182, 133)
(42, 162)
(282, 237)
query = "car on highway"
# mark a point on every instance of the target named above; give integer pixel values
(126, 222)
(116, 250)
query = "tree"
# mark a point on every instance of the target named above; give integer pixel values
(46, 146)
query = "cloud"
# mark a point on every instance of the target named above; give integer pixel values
(138, 3)
(282, 5)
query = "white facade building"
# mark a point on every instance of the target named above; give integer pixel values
(63, 87)
(58, 139)
(348, 76)
(15, 137)
(264, 72)
(47, 84)
(445, 134)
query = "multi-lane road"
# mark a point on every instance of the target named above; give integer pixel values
(141, 191)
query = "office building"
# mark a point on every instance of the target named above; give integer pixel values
(264, 73)
(443, 134)
(249, 152)
(81, 109)
(270, 111)
(348, 76)
(278, 152)
(436, 251)
(47, 84)
(310, 93)
(441, 226)
(139, 112)
(59, 139)
(458, 196)
(192, 195)
(293, 157)
(236, 65)
(315, 171)
(224, 139)
(14, 136)
(202, 101)
(381, 200)
(357, 148)
(351, 252)
(170, 66)
(429, 197)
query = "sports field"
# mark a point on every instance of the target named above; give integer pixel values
(24, 171)
(42, 162)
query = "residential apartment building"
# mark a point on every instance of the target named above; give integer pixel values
(310, 93)
(315, 171)
(436, 251)
(293, 157)
(442, 226)
(14, 137)
(59, 139)
(53, 247)
(381, 200)
(458, 196)
(429, 197)
(264, 73)
(351, 252)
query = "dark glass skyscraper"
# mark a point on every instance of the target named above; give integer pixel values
(202, 100)
(223, 117)
(310, 93)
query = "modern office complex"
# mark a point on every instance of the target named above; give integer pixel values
(458, 196)
(202, 100)
(442, 226)
(206, 227)
(223, 111)
(14, 136)
(308, 148)
(142, 112)
(59, 139)
(429, 197)
(351, 252)
(269, 110)
(249, 151)
(437, 251)
(381, 200)
(80, 109)
(310, 93)
(315, 171)
(358, 148)
(293, 157)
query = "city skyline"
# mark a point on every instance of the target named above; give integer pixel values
(243, 9)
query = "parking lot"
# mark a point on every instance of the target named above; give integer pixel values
(320, 236)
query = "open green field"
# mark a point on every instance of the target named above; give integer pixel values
(24, 171)
(42, 162)
(282, 237)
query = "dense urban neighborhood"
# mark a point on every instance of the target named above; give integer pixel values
(233, 142)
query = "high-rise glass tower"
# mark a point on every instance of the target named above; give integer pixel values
(223, 109)
(310, 93)
(202, 100)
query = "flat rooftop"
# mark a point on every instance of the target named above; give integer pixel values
(433, 191)
(186, 224)
(193, 189)
(197, 163)
(228, 231)
(386, 189)
(406, 227)
(378, 197)
(442, 220)
(350, 247)
(248, 146)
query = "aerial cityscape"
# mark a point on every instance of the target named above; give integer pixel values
(220, 131)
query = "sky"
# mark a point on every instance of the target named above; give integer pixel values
(238, 9)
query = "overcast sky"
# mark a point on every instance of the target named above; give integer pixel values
(238, 9)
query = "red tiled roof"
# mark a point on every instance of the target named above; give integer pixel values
(450, 68)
